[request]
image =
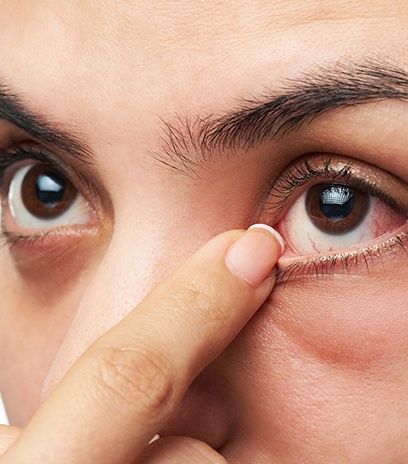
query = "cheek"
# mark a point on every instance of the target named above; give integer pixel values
(328, 361)
(40, 293)
(354, 321)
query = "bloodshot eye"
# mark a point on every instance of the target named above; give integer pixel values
(333, 216)
(40, 197)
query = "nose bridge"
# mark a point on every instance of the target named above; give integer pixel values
(126, 274)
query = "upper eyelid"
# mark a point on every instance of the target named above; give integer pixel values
(60, 159)
(310, 168)
(22, 152)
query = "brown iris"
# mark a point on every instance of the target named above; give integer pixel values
(45, 193)
(336, 208)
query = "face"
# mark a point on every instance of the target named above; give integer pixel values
(132, 132)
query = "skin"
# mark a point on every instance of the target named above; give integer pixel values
(320, 373)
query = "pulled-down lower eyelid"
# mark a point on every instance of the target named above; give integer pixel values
(345, 262)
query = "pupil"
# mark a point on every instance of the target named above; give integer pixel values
(50, 188)
(337, 202)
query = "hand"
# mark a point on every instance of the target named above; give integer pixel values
(122, 390)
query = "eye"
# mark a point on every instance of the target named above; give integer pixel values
(330, 203)
(40, 197)
(332, 216)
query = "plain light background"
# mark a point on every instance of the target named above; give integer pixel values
(3, 415)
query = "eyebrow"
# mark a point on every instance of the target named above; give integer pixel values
(193, 141)
(16, 112)
(281, 111)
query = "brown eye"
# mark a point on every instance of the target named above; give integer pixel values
(40, 197)
(46, 193)
(336, 208)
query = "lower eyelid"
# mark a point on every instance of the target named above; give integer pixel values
(48, 268)
(29, 250)
(390, 245)
(17, 234)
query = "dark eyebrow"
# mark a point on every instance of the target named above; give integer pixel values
(15, 111)
(192, 142)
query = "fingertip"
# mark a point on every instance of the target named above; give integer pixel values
(254, 255)
(273, 232)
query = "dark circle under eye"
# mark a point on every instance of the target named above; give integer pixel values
(46, 193)
(336, 208)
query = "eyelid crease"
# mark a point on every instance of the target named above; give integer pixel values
(24, 152)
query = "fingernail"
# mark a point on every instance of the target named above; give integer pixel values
(156, 437)
(254, 255)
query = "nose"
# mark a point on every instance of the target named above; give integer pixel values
(134, 261)
(204, 412)
(125, 275)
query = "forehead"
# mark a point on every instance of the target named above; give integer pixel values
(184, 20)
(92, 62)
(140, 34)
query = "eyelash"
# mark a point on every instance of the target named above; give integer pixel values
(22, 153)
(326, 265)
(289, 186)
(283, 191)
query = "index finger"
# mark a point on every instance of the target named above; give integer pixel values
(132, 379)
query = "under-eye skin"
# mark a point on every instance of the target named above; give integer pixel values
(336, 215)
(42, 200)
